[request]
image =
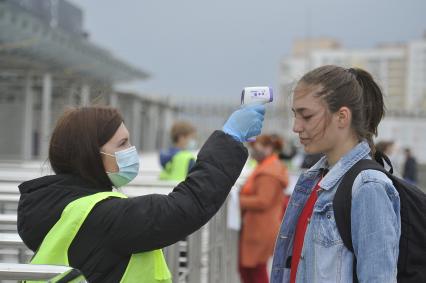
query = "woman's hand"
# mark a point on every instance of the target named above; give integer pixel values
(245, 122)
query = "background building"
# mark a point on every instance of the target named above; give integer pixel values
(416, 74)
(400, 70)
(48, 63)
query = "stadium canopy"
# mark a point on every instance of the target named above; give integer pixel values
(28, 42)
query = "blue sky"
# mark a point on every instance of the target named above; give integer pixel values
(214, 48)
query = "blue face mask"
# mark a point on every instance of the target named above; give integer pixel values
(128, 166)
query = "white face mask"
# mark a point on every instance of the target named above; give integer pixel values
(192, 144)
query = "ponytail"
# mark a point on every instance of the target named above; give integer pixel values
(373, 104)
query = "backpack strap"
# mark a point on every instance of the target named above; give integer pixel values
(382, 158)
(342, 203)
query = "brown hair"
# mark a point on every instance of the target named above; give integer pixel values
(76, 141)
(181, 128)
(270, 140)
(355, 89)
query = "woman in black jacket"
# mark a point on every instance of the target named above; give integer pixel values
(90, 153)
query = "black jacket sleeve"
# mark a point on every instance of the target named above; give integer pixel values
(155, 221)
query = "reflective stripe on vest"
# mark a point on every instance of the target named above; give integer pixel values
(146, 267)
(177, 168)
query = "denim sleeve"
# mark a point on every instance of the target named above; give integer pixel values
(376, 231)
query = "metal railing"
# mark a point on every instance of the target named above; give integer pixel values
(211, 252)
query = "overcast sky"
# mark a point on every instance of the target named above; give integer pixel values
(196, 47)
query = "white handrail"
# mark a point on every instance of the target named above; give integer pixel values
(11, 240)
(18, 271)
(8, 219)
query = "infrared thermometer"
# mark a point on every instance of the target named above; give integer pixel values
(256, 95)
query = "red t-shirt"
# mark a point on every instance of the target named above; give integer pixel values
(299, 236)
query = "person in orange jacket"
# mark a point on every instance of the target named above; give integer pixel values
(261, 203)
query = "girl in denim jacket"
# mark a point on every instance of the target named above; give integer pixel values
(337, 112)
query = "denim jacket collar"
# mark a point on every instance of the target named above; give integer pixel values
(360, 151)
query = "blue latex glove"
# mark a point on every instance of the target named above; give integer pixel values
(245, 122)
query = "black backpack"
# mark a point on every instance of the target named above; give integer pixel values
(412, 244)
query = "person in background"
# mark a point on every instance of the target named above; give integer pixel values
(178, 159)
(410, 167)
(288, 150)
(390, 150)
(385, 147)
(261, 204)
(75, 218)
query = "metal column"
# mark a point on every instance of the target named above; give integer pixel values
(136, 123)
(71, 95)
(113, 99)
(167, 124)
(27, 133)
(153, 126)
(46, 114)
(160, 131)
(85, 95)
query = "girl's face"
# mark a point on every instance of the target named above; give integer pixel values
(318, 129)
(119, 141)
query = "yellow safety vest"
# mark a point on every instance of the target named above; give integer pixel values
(177, 168)
(146, 267)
